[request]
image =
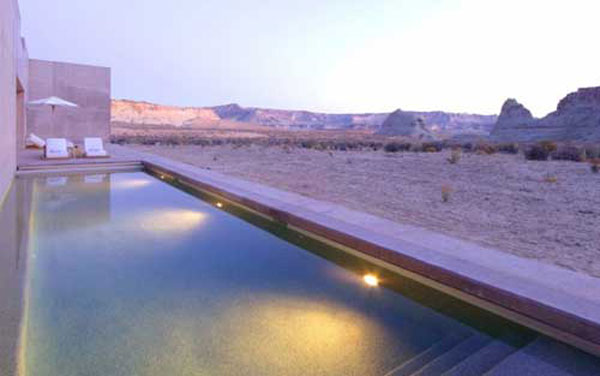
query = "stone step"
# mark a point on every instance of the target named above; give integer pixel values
(483, 360)
(454, 356)
(420, 360)
(547, 357)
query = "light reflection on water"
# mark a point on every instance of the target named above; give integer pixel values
(130, 276)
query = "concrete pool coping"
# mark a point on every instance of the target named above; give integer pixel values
(548, 298)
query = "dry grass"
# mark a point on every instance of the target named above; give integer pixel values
(446, 192)
(549, 178)
(455, 156)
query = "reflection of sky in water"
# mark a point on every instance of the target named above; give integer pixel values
(132, 277)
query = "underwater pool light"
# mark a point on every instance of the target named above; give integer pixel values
(371, 280)
(219, 204)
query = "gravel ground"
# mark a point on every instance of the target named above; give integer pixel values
(500, 201)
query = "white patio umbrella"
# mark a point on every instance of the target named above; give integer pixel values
(53, 102)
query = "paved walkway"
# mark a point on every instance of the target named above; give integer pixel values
(32, 158)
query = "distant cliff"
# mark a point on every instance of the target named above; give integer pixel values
(577, 118)
(132, 112)
(298, 119)
(143, 113)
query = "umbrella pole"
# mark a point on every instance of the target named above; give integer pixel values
(52, 119)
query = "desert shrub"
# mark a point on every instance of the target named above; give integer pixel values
(118, 140)
(549, 146)
(308, 144)
(393, 147)
(592, 151)
(342, 146)
(148, 141)
(375, 145)
(536, 153)
(569, 153)
(446, 193)
(455, 156)
(200, 141)
(354, 145)
(508, 148)
(484, 148)
(172, 140)
(468, 147)
(432, 147)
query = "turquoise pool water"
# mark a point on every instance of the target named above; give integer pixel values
(128, 275)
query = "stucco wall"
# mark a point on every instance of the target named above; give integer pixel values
(13, 79)
(13, 69)
(87, 86)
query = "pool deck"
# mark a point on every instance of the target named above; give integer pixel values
(31, 159)
(556, 301)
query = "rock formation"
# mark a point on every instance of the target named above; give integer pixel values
(514, 112)
(401, 123)
(131, 113)
(577, 118)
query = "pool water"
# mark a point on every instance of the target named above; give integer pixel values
(128, 275)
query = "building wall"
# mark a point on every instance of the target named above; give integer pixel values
(87, 86)
(22, 93)
(13, 94)
(13, 75)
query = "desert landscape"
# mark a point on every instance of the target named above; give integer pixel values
(522, 185)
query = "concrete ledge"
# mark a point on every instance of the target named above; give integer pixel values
(558, 302)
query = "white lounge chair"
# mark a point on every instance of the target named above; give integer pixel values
(94, 148)
(35, 141)
(56, 148)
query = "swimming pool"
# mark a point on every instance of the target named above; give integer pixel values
(128, 275)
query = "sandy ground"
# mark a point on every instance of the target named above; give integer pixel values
(497, 200)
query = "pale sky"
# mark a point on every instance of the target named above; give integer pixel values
(328, 55)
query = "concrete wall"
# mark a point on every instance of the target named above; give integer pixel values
(13, 78)
(22, 93)
(87, 86)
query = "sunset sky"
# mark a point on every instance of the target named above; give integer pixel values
(328, 55)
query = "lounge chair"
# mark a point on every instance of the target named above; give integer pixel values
(35, 141)
(56, 148)
(93, 148)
